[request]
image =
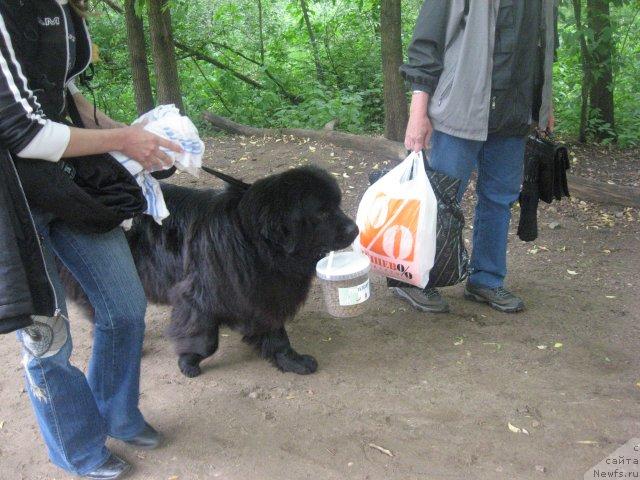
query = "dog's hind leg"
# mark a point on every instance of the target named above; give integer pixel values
(195, 348)
(275, 346)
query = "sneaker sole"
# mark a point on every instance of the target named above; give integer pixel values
(480, 299)
(398, 292)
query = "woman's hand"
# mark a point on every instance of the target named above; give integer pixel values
(144, 147)
(419, 127)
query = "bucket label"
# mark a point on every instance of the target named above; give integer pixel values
(354, 295)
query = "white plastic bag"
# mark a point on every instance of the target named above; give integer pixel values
(167, 122)
(397, 219)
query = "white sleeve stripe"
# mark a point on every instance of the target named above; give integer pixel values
(4, 66)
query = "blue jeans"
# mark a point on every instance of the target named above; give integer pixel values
(77, 412)
(500, 162)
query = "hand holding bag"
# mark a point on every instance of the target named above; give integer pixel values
(397, 220)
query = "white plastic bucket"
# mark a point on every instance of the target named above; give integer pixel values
(344, 277)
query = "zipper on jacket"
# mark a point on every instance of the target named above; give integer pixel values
(88, 38)
(66, 65)
(57, 310)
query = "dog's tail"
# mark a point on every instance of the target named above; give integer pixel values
(227, 178)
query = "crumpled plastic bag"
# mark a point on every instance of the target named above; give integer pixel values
(167, 122)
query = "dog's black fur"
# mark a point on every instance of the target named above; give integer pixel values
(244, 257)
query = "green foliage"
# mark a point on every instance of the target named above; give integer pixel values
(568, 76)
(348, 36)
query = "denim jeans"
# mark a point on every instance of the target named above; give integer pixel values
(77, 412)
(500, 162)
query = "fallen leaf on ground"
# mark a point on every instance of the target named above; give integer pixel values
(459, 341)
(557, 345)
(610, 296)
(513, 428)
(572, 272)
(542, 347)
(381, 449)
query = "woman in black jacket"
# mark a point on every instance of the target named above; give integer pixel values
(44, 45)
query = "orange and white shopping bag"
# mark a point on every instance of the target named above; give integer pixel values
(397, 221)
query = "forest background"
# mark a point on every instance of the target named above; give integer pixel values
(303, 63)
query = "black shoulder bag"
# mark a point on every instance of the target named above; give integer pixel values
(546, 163)
(93, 193)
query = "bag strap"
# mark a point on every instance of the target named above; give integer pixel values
(227, 178)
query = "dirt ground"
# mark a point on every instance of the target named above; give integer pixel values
(435, 392)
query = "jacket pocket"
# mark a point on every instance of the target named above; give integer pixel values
(446, 90)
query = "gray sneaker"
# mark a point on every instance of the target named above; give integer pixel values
(499, 298)
(426, 300)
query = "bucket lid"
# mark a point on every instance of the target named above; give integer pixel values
(346, 265)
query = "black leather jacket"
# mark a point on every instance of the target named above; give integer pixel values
(33, 77)
(25, 288)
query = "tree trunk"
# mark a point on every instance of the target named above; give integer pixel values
(164, 56)
(261, 30)
(601, 52)
(586, 72)
(138, 59)
(395, 101)
(312, 40)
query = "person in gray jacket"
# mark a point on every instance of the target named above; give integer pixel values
(480, 72)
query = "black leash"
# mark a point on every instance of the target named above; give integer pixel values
(227, 178)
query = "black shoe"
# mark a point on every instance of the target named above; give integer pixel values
(426, 300)
(113, 468)
(148, 439)
(499, 298)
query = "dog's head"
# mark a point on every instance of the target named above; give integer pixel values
(298, 212)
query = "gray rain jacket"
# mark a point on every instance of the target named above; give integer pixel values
(451, 57)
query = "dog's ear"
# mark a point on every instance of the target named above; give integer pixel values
(281, 235)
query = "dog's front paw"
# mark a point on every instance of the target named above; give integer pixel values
(294, 362)
(190, 365)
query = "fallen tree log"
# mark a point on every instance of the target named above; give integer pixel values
(600, 192)
(379, 145)
(580, 187)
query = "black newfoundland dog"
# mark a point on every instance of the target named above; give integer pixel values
(244, 257)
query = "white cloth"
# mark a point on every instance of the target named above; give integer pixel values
(166, 121)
